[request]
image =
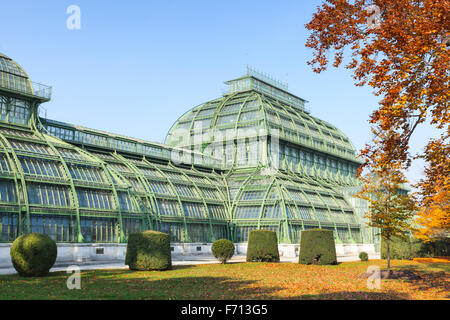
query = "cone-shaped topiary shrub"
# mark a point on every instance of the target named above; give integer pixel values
(148, 250)
(223, 250)
(33, 254)
(317, 247)
(262, 246)
(364, 256)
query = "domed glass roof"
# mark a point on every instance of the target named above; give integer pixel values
(240, 111)
(13, 77)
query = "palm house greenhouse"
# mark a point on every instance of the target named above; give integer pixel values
(254, 158)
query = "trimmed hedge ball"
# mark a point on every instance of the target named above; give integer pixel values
(33, 254)
(148, 250)
(223, 250)
(262, 246)
(317, 247)
(364, 256)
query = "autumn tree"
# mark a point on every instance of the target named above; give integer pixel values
(401, 48)
(391, 209)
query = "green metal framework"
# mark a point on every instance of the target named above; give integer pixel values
(84, 185)
(301, 169)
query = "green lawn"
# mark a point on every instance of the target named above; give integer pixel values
(237, 281)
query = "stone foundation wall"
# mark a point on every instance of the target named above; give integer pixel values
(292, 250)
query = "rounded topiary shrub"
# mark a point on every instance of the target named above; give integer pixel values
(223, 250)
(317, 247)
(262, 246)
(33, 254)
(364, 256)
(148, 250)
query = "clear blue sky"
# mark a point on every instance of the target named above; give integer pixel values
(136, 66)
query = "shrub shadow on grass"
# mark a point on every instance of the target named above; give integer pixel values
(213, 288)
(207, 288)
(429, 280)
(130, 286)
(52, 274)
(356, 295)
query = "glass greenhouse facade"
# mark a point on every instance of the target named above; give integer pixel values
(254, 158)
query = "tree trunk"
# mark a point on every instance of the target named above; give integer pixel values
(388, 256)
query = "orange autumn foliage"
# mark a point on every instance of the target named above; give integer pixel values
(435, 213)
(401, 48)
